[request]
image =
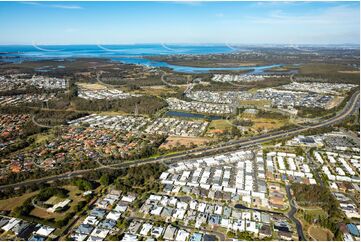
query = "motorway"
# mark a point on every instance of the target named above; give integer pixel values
(348, 109)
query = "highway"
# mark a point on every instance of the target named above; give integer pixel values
(348, 109)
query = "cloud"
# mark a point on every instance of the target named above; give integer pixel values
(190, 3)
(219, 15)
(333, 15)
(60, 6)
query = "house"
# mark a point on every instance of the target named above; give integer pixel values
(182, 235)
(227, 211)
(209, 237)
(145, 229)
(209, 208)
(182, 205)
(225, 222)
(78, 237)
(155, 197)
(20, 227)
(157, 232)
(173, 202)
(134, 227)
(59, 206)
(107, 224)
(201, 207)
(238, 225)
(84, 229)
(251, 226)
(214, 219)
(179, 213)
(156, 210)
(167, 212)
(353, 230)
(265, 231)
(201, 218)
(92, 220)
(25, 234)
(45, 231)
(94, 238)
(164, 202)
(11, 223)
(193, 204)
(283, 235)
(100, 233)
(218, 209)
(4, 221)
(36, 237)
(98, 213)
(113, 215)
(128, 198)
(170, 233)
(129, 237)
(120, 208)
(196, 237)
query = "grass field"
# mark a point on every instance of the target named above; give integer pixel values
(259, 103)
(157, 90)
(319, 234)
(331, 72)
(74, 194)
(11, 203)
(220, 124)
(54, 200)
(264, 123)
(92, 86)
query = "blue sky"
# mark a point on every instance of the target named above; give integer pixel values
(179, 22)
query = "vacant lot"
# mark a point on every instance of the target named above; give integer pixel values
(158, 90)
(74, 194)
(320, 234)
(257, 103)
(331, 72)
(220, 124)
(92, 86)
(11, 203)
(186, 141)
(264, 123)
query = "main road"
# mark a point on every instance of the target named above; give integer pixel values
(349, 108)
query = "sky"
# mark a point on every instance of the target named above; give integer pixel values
(51, 23)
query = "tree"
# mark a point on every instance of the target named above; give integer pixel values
(104, 180)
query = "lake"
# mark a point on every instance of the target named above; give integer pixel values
(192, 115)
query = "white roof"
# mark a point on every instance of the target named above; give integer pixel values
(182, 235)
(79, 237)
(145, 229)
(92, 220)
(128, 198)
(129, 237)
(45, 231)
(12, 222)
(113, 215)
(120, 208)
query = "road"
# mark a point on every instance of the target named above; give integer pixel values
(348, 109)
(291, 214)
(314, 166)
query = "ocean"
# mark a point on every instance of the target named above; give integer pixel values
(129, 54)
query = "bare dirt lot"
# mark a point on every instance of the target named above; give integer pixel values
(174, 141)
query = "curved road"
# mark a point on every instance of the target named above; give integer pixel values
(291, 214)
(349, 108)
